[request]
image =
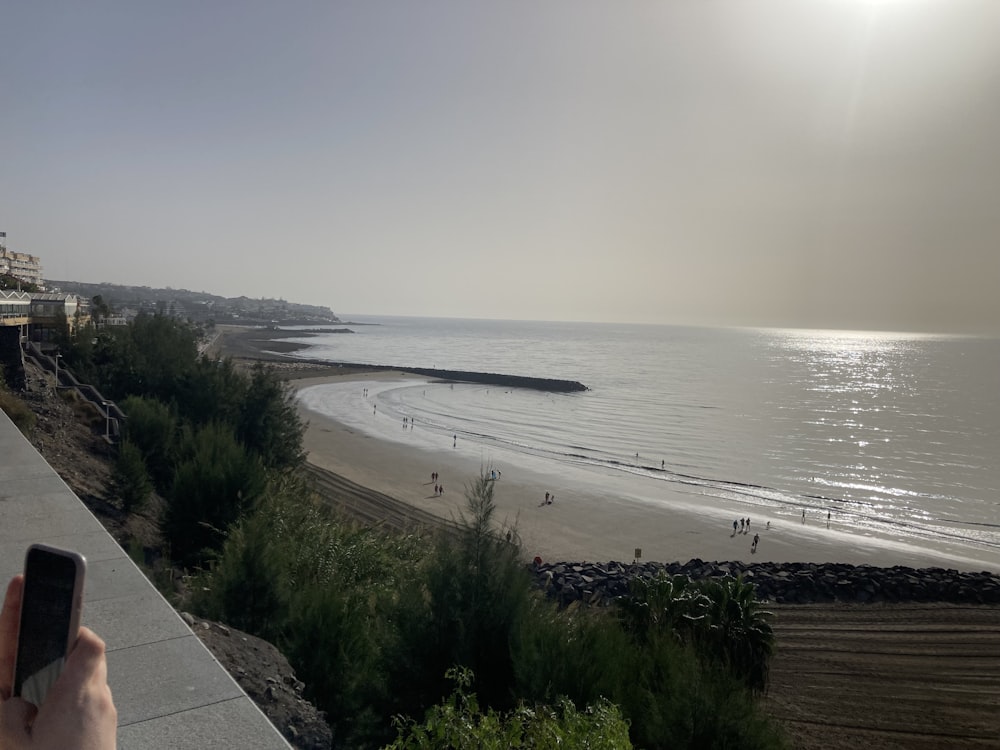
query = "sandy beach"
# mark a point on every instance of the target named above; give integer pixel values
(586, 524)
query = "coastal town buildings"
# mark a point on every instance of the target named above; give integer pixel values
(22, 266)
(15, 307)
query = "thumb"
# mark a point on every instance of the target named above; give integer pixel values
(16, 715)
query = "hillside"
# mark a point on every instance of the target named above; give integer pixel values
(200, 307)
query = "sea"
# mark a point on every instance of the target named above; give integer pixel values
(895, 435)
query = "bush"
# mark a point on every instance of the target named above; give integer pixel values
(373, 622)
(152, 429)
(215, 483)
(18, 411)
(323, 591)
(476, 591)
(576, 652)
(130, 480)
(459, 723)
(269, 423)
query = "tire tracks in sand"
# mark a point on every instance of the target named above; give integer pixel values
(878, 676)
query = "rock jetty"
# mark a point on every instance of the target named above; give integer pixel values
(600, 584)
(552, 385)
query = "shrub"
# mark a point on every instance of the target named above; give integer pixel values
(18, 411)
(576, 652)
(458, 722)
(130, 480)
(152, 429)
(476, 590)
(323, 591)
(215, 483)
(268, 422)
(738, 633)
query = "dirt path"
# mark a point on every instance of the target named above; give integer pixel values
(907, 676)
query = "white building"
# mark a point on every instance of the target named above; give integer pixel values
(20, 265)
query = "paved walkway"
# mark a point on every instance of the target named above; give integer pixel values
(169, 690)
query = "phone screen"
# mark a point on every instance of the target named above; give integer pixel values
(47, 614)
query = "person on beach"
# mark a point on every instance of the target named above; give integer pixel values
(748, 525)
(803, 515)
(828, 519)
(454, 441)
(546, 498)
(734, 528)
(753, 547)
(741, 525)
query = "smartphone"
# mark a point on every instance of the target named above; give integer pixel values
(50, 618)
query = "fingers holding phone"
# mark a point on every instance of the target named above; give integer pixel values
(55, 669)
(79, 710)
(9, 617)
(51, 605)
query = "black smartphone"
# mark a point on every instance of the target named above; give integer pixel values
(50, 618)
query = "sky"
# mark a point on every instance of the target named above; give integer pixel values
(802, 163)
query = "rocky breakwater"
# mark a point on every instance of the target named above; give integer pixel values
(600, 584)
(551, 385)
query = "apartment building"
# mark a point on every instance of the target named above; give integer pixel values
(20, 265)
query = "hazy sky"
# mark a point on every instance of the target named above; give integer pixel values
(787, 162)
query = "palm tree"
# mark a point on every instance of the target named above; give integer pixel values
(738, 630)
(665, 603)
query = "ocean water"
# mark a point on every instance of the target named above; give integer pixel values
(894, 434)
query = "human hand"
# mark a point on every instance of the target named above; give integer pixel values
(78, 713)
(9, 623)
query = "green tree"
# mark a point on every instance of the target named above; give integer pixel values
(738, 631)
(12, 282)
(476, 591)
(152, 428)
(216, 481)
(130, 480)
(99, 309)
(212, 390)
(269, 422)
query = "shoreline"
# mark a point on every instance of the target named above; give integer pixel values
(589, 523)
(585, 523)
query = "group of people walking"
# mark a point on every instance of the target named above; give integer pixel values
(742, 526)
